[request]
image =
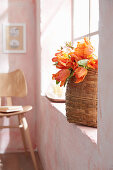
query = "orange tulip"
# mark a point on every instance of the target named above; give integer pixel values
(84, 49)
(80, 74)
(92, 63)
(64, 62)
(88, 51)
(61, 76)
(59, 53)
(74, 56)
(79, 50)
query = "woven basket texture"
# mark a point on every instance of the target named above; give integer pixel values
(81, 100)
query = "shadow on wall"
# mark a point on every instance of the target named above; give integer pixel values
(10, 11)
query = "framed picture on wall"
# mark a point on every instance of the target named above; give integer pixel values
(14, 38)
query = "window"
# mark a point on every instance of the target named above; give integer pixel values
(85, 21)
(75, 23)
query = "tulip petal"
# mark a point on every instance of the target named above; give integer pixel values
(78, 80)
(80, 74)
(92, 63)
(80, 71)
(61, 76)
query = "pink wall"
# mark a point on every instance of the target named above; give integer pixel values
(19, 11)
(62, 145)
(105, 134)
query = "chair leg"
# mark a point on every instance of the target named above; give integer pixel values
(26, 130)
(22, 134)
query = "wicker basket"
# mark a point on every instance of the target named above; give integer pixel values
(81, 100)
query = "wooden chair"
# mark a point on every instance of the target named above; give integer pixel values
(14, 84)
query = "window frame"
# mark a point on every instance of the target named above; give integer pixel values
(90, 34)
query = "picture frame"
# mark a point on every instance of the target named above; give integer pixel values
(14, 38)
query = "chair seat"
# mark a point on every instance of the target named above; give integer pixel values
(25, 109)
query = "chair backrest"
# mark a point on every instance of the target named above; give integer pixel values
(13, 84)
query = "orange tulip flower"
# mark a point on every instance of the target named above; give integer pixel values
(92, 63)
(80, 74)
(61, 76)
(84, 49)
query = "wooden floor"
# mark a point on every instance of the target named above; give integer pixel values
(18, 161)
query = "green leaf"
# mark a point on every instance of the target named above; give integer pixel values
(71, 75)
(71, 69)
(69, 56)
(69, 44)
(68, 78)
(57, 82)
(55, 63)
(83, 62)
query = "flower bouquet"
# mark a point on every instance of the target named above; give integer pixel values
(78, 68)
(74, 62)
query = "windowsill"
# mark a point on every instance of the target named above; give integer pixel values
(89, 131)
